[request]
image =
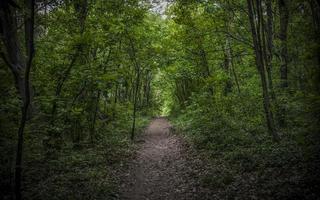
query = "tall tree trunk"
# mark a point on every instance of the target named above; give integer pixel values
(81, 8)
(13, 56)
(61, 83)
(20, 68)
(315, 8)
(227, 53)
(148, 88)
(135, 102)
(135, 88)
(257, 37)
(115, 101)
(234, 71)
(284, 20)
(227, 66)
(269, 46)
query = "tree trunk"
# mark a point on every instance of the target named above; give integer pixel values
(135, 88)
(81, 8)
(20, 68)
(269, 50)
(256, 36)
(284, 20)
(315, 8)
(60, 85)
(234, 72)
(227, 66)
(13, 56)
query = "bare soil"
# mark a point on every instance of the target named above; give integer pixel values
(163, 168)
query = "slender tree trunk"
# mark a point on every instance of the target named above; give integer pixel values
(234, 72)
(315, 8)
(135, 103)
(148, 88)
(20, 69)
(135, 88)
(61, 83)
(256, 36)
(115, 101)
(227, 54)
(227, 66)
(284, 20)
(269, 46)
(13, 56)
(81, 8)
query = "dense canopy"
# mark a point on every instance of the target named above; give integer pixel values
(82, 79)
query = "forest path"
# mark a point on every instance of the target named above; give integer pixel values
(162, 168)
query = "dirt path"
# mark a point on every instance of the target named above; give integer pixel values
(161, 169)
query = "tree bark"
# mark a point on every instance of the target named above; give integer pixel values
(13, 56)
(132, 54)
(269, 49)
(135, 102)
(315, 8)
(256, 36)
(20, 68)
(284, 20)
(227, 66)
(234, 72)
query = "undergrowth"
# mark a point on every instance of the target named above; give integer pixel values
(84, 171)
(243, 161)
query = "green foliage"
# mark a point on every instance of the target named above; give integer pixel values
(96, 61)
(221, 112)
(82, 103)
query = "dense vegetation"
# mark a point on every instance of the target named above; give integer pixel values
(239, 80)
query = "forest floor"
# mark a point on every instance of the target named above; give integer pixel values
(163, 168)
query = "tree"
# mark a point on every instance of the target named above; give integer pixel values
(20, 65)
(255, 18)
(284, 20)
